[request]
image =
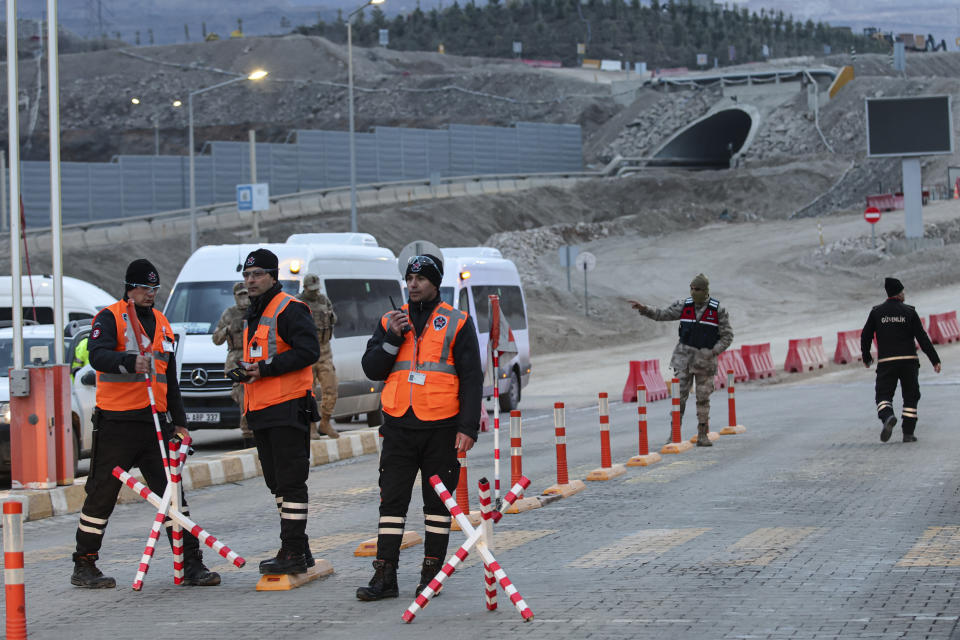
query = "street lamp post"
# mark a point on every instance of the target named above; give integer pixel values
(256, 75)
(353, 147)
(155, 119)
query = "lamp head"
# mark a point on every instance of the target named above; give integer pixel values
(258, 74)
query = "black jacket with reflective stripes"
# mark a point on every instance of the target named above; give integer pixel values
(896, 326)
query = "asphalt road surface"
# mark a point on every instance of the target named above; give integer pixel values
(806, 526)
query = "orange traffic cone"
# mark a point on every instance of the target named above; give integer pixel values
(956, 189)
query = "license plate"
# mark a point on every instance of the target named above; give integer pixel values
(203, 417)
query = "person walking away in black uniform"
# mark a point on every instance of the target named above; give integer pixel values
(896, 326)
(429, 356)
(279, 348)
(124, 432)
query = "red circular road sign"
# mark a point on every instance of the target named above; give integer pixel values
(872, 215)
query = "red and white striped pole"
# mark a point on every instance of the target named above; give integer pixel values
(486, 512)
(494, 307)
(675, 410)
(607, 469)
(604, 405)
(676, 444)
(564, 487)
(732, 428)
(560, 433)
(16, 597)
(463, 491)
(516, 447)
(178, 457)
(196, 530)
(644, 458)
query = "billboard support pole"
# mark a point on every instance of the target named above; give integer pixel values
(912, 198)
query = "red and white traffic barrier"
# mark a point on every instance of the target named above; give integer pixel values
(644, 458)
(496, 426)
(474, 538)
(564, 487)
(607, 469)
(16, 597)
(171, 496)
(732, 428)
(196, 530)
(676, 444)
(486, 511)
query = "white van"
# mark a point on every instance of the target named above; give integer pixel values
(358, 276)
(81, 300)
(470, 275)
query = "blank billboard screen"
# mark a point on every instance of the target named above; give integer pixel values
(909, 126)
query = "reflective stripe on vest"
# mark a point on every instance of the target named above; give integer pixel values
(127, 391)
(272, 390)
(432, 356)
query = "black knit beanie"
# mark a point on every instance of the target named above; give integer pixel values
(893, 286)
(432, 272)
(141, 272)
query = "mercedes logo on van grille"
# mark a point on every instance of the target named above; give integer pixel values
(199, 377)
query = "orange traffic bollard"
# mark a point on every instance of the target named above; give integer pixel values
(607, 469)
(563, 487)
(644, 458)
(13, 570)
(676, 445)
(516, 448)
(732, 428)
(463, 494)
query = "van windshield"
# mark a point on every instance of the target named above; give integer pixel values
(44, 315)
(360, 303)
(196, 307)
(446, 294)
(511, 301)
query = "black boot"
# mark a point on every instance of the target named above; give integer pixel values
(703, 439)
(383, 584)
(286, 562)
(429, 570)
(195, 573)
(309, 557)
(888, 424)
(86, 574)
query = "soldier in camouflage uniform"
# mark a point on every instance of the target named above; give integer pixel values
(230, 330)
(324, 375)
(705, 333)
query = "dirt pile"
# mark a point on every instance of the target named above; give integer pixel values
(306, 88)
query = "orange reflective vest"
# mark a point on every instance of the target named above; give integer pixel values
(423, 375)
(127, 391)
(263, 345)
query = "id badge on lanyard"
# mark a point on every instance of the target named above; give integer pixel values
(417, 377)
(255, 350)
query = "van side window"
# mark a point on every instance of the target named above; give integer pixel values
(78, 315)
(359, 304)
(511, 301)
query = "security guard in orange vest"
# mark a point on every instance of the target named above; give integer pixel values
(280, 346)
(124, 432)
(428, 354)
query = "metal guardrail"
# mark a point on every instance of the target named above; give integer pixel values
(209, 209)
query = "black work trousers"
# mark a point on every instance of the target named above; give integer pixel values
(124, 444)
(404, 453)
(906, 372)
(285, 459)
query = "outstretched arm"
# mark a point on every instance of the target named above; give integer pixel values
(670, 313)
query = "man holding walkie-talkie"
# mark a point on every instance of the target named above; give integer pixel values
(124, 431)
(280, 346)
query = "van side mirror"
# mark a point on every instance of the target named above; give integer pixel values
(89, 378)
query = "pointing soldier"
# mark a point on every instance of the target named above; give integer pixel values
(230, 330)
(705, 333)
(324, 374)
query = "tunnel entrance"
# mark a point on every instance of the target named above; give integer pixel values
(709, 143)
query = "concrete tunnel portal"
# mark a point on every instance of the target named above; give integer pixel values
(712, 142)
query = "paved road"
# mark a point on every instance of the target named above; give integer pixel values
(804, 527)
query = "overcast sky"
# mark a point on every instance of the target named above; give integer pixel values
(940, 18)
